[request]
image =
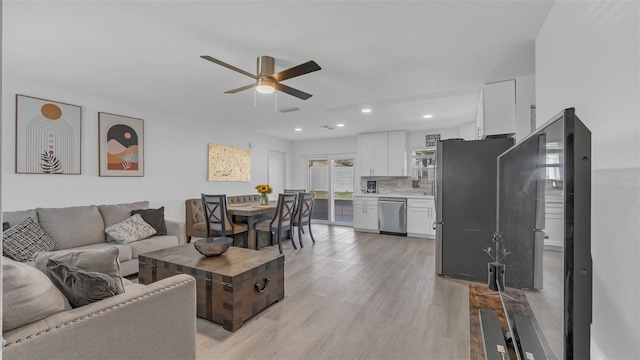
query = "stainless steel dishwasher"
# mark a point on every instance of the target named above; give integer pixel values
(392, 216)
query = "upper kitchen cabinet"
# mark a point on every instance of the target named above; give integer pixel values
(382, 154)
(499, 107)
(397, 153)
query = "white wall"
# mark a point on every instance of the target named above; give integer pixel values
(587, 57)
(176, 157)
(329, 146)
(525, 97)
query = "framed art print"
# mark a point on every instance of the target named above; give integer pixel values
(121, 142)
(48, 136)
(228, 163)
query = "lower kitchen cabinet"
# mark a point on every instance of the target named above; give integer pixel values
(421, 215)
(365, 214)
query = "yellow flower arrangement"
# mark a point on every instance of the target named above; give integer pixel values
(264, 189)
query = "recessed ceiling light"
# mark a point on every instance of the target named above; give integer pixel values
(298, 129)
(428, 116)
(340, 125)
(366, 111)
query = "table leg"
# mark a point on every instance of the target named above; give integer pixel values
(251, 235)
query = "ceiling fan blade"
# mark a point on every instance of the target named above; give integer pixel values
(291, 91)
(233, 91)
(309, 66)
(222, 63)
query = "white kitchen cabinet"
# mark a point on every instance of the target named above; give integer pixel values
(500, 108)
(397, 153)
(373, 154)
(421, 215)
(382, 154)
(365, 214)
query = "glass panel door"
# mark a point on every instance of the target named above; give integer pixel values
(343, 185)
(318, 178)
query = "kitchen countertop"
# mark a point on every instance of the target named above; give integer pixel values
(405, 196)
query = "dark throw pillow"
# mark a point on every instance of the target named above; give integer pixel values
(104, 261)
(22, 241)
(5, 226)
(80, 287)
(153, 217)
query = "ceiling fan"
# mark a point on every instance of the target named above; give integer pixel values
(266, 80)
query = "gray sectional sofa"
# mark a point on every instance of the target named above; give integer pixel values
(155, 321)
(82, 227)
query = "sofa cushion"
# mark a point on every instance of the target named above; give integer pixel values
(153, 217)
(23, 240)
(79, 286)
(153, 244)
(113, 214)
(104, 261)
(130, 230)
(27, 295)
(74, 226)
(5, 226)
(124, 251)
(14, 217)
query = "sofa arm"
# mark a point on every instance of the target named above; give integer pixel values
(176, 228)
(157, 321)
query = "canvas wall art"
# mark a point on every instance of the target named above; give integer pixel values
(121, 142)
(48, 136)
(228, 163)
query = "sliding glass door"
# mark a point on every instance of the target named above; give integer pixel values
(343, 187)
(332, 180)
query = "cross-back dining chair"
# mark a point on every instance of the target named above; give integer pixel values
(218, 219)
(294, 191)
(302, 217)
(282, 219)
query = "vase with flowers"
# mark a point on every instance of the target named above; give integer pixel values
(264, 190)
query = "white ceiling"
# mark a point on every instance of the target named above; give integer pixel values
(403, 59)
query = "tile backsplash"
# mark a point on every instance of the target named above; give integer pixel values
(397, 185)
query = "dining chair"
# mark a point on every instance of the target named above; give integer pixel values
(294, 191)
(302, 216)
(219, 221)
(282, 219)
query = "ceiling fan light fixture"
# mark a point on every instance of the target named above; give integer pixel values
(265, 86)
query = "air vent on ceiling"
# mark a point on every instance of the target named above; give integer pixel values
(326, 127)
(288, 109)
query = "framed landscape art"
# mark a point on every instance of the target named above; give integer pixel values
(121, 142)
(48, 136)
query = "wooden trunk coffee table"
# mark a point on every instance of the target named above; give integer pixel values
(230, 288)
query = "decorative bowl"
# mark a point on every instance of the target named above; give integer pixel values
(212, 246)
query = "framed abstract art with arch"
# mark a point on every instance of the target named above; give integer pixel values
(121, 142)
(48, 136)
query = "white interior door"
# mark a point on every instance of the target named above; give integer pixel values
(276, 172)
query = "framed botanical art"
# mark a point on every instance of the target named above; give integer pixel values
(228, 163)
(121, 142)
(48, 136)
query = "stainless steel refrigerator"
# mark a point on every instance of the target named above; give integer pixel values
(466, 189)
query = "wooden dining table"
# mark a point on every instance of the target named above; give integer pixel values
(252, 213)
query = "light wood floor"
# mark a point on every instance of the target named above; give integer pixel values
(353, 296)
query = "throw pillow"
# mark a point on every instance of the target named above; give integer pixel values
(23, 240)
(5, 226)
(153, 217)
(104, 261)
(79, 286)
(130, 230)
(27, 295)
